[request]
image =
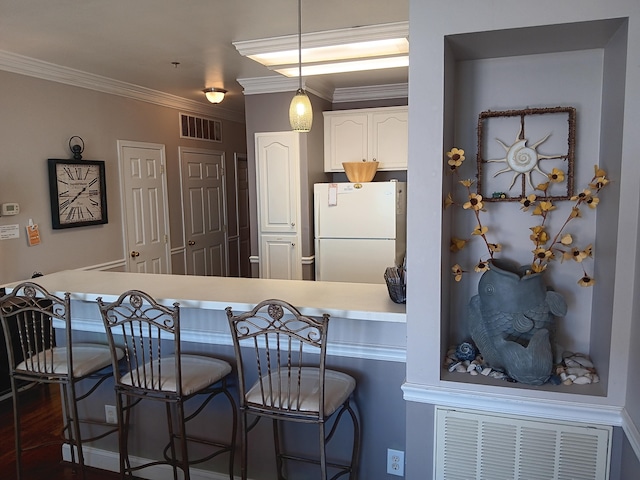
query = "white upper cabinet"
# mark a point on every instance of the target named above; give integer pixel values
(371, 134)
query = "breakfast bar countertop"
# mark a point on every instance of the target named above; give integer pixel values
(360, 301)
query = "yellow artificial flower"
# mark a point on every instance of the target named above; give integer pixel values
(475, 202)
(480, 231)
(481, 266)
(543, 187)
(582, 196)
(592, 202)
(448, 201)
(467, 183)
(588, 251)
(556, 175)
(586, 281)
(495, 247)
(575, 212)
(598, 172)
(543, 254)
(457, 272)
(543, 207)
(457, 244)
(537, 267)
(539, 235)
(599, 182)
(566, 239)
(527, 202)
(578, 255)
(456, 154)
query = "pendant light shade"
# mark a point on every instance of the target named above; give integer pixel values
(300, 112)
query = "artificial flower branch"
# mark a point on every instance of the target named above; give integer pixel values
(542, 206)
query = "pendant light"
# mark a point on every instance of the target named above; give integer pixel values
(300, 113)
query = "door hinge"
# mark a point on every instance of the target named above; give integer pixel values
(161, 169)
(166, 238)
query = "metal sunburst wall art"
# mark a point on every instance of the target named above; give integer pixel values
(544, 144)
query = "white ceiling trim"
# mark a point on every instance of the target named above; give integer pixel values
(22, 65)
(324, 39)
(262, 85)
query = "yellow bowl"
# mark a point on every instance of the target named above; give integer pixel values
(360, 171)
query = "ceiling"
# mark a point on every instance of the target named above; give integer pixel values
(136, 41)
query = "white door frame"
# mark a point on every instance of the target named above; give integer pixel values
(165, 206)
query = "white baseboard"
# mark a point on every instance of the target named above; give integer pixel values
(108, 460)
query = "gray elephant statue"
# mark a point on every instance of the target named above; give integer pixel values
(511, 321)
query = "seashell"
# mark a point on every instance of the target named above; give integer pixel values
(486, 371)
(471, 367)
(563, 376)
(582, 360)
(479, 368)
(498, 375)
(521, 158)
(473, 372)
(582, 381)
(447, 362)
(595, 378)
(453, 366)
(461, 368)
(568, 381)
(572, 377)
(466, 351)
(579, 371)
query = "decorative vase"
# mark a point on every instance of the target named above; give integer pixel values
(511, 321)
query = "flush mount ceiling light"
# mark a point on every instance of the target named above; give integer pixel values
(353, 49)
(300, 112)
(215, 95)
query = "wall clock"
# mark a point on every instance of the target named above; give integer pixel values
(78, 193)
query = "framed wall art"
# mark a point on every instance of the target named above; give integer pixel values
(518, 149)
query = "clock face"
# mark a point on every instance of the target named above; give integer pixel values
(77, 193)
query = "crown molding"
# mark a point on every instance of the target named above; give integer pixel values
(262, 85)
(14, 63)
(278, 84)
(323, 39)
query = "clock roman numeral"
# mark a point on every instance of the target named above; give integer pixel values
(92, 182)
(89, 212)
(69, 173)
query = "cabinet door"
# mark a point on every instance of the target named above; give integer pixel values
(346, 138)
(277, 159)
(390, 139)
(280, 257)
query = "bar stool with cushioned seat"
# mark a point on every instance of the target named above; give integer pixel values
(287, 352)
(29, 317)
(157, 370)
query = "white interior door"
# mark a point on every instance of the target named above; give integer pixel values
(144, 207)
(204, 201)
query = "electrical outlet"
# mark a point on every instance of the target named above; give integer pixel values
(110, 414)
(395, 462)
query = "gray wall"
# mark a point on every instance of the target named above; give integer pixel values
(37, 119)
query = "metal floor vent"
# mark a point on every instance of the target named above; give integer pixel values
(473, 445)
(200, 128)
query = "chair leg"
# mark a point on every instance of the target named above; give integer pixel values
(323, 452)
(16, 428)
(182, 432)
(123, 434)
(355, 452)
(276, 443)
(171, 440)
(244, 448)
(74, 423)
(234, 429)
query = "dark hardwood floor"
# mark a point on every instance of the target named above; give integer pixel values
(41, 420)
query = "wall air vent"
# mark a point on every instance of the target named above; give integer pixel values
(489, 446)
(200, 128)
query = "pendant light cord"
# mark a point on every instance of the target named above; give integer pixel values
(300, 44)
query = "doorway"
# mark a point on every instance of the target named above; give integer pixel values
(144, 206)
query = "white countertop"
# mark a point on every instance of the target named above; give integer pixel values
(345, 300)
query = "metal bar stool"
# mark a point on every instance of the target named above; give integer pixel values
(287, 351)
(29, 316)
(157, 370)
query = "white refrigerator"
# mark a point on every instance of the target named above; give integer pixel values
(360, 230)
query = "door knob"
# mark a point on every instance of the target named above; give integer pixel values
(191, 242)
(134, 254)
